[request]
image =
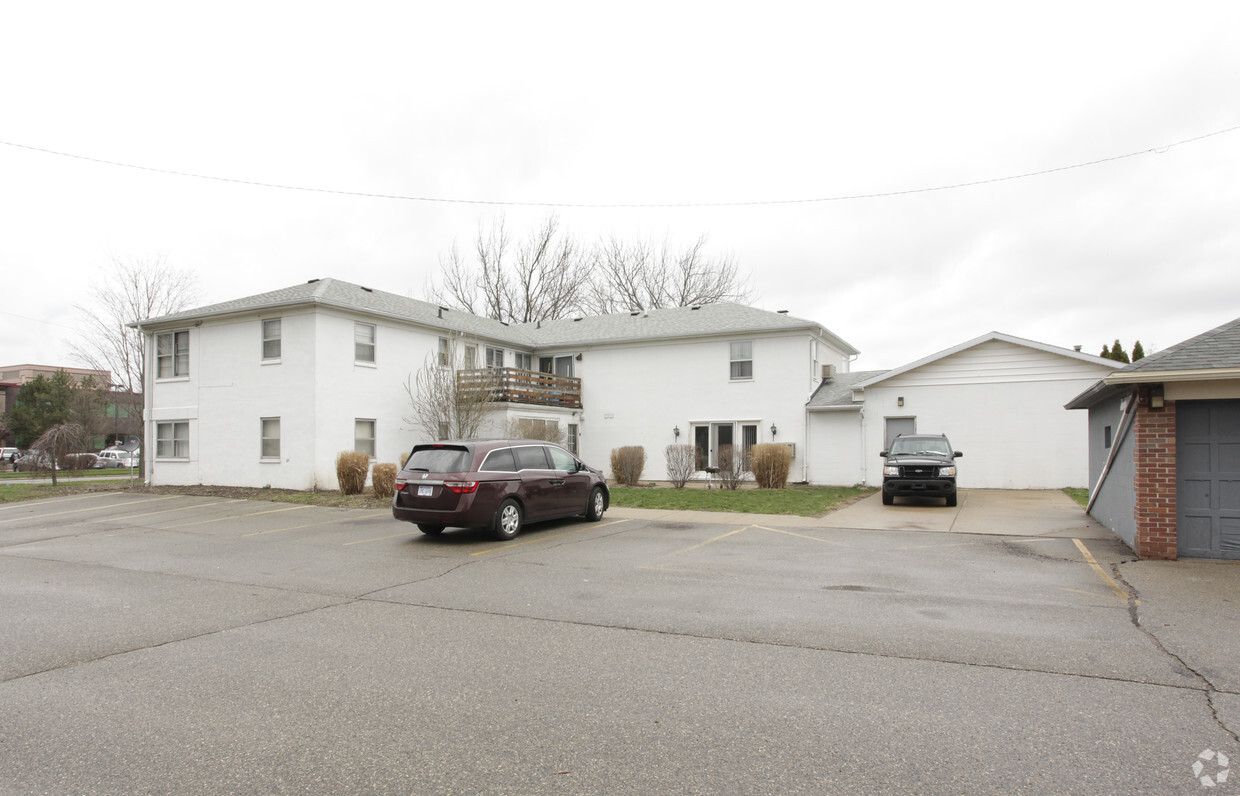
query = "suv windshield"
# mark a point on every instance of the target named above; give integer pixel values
(439, 460)
(914, 446)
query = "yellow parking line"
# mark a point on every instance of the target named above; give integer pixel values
(234, 517)
(510, 545)
(333, 521)
(1097, 568)
(79, 511)
(801, 536)
(376, 539)
(165, 511)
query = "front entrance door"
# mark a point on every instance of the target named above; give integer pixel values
(1208, 479)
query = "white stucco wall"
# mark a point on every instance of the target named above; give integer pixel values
(637, 394)
(835, 453)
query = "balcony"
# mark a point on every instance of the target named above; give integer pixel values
(510, 385)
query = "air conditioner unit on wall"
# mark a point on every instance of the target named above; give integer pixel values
(828, 371)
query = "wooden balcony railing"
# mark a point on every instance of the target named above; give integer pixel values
(523, 386)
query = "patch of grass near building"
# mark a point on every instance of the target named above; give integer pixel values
(1079, 494)
(803, 501)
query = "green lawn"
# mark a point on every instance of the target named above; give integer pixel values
(805, 501)
(1078, 494)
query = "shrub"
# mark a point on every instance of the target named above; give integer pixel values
(627, 464)
(383, 480)
(680, 461)
(79, 461)
(770, 464)
(731, 467)
(351, 468)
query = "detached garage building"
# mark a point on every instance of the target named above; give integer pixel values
(1164, 449)
(998, 398)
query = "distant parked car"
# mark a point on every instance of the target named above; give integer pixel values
(8, 454)
(34, 461)
(115, 458)
(496, 484)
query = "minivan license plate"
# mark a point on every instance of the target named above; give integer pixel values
(424, 490)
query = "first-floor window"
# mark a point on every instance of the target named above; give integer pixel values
(471, 357)
(495, 357)
(525, 361)
(572, 439)
(364, 437)
(172, 440)
(443, 352)
(445, 431)
(271, 437)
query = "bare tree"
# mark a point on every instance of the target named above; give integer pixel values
(551, 275)
(529, 428)
(449, 401)
(130, 291)
(58, 442)
(539, 278)
(639, 275)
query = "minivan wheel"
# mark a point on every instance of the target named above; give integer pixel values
(507, 523)
(596, 506)
(430, 528)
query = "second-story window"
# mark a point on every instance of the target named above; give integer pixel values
(172, 354)
(364, 342)
(271, 339)
(741, 360)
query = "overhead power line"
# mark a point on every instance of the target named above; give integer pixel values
(504, 203)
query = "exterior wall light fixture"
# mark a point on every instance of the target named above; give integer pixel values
(773, 430)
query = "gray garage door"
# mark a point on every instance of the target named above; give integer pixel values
(1208, 478)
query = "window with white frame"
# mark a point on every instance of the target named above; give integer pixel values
(271, 338)
(471, 356)
(525, 361)
(495, 357)
(172, 440)
(364, 342)
(445, 431)
(270, 438)
(443, 352)
(364, 436)
(741, 355)
(172, 354)
(572, 438)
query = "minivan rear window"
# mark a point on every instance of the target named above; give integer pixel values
(439, 459)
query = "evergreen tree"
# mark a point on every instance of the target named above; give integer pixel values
(1138, 353)
(1118, 353)
(41, 404)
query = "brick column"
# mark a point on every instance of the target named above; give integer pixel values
(1154, 480)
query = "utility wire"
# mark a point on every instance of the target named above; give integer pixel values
(502, 203)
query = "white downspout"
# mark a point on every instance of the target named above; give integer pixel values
(865, 480)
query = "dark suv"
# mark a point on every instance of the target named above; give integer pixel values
(920, 465)
(496, 484)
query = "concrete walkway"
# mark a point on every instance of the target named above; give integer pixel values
(1002, 512)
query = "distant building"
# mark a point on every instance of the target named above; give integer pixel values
(122, 408)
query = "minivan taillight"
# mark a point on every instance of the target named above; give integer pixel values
(461, 487)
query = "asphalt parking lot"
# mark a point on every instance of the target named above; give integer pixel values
(157, 644)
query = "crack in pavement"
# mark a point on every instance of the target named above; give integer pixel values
(1208, 688)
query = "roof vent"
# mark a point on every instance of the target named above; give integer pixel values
(576, 319)
(311, 281)
(634, 313)
(696, 307)
(442, 310)
(1076, 348)
(368, 290)
(783, 312)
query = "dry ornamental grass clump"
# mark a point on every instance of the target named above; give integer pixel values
(627, 464)
(383, 480)
(770, 464)
(351, 468)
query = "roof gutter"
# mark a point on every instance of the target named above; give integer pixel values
(1146, 376)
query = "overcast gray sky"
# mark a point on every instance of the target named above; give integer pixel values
(761, 119)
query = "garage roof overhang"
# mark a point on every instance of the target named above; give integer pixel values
(1121, 381)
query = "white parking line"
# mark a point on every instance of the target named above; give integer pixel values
(79, 511)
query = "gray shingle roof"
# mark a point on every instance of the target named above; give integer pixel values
(837, 391)
(724, 318)
(1217, 348)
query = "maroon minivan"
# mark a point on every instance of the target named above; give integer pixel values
(496, 484)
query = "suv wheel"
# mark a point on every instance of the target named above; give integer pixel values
(888, 499)
(951, 500)
(507, 522)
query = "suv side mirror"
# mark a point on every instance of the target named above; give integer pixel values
(957, 454)
(884, 454)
